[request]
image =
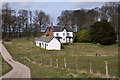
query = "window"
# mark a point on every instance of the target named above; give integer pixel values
(57, 34)
(63, 34)
(67, 34)
(64, 39)
(42, 44)
(69, 39)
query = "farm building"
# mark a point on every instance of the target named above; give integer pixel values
(49, 43)
(63, 33)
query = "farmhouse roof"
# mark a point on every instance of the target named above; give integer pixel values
(60, 28)
(45, 39)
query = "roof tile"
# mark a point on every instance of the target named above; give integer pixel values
(45, 39)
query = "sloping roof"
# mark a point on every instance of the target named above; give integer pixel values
(45, 39)
(60, 28)
(48, 29)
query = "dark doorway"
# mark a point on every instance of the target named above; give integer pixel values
(40, 44)
(45, 46)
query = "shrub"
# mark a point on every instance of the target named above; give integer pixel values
(47, 34)
(7, 39)
(102, 32)
(83, 36)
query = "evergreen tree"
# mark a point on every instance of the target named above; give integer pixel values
(102, 32)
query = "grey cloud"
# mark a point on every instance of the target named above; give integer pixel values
(54, 9)
(88, 5)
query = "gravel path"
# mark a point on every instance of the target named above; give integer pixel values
(19, 70)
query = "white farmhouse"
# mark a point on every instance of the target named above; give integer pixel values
(63, 33)
(49, 43)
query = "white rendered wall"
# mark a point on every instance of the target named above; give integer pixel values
(54, 45)
(60, 34)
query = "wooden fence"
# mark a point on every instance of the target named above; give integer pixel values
(56, 63)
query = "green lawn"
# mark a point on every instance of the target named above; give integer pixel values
(4, 66)
(82, 52)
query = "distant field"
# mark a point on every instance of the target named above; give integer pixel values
(80, 52)
(4, 66)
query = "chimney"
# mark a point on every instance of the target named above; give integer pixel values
(70, 24)
(52, 25)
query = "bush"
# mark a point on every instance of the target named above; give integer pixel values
(83, 36)
(47, 34)
(7, 39)
(102, 32)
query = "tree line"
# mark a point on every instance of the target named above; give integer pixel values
(84, 18)
(98, 25)
(23, 23)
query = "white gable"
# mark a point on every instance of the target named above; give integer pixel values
(54, 44)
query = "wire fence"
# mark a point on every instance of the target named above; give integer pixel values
(73, 64)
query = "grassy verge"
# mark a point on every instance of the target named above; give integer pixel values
(5, 68)
(45, 71)
(80, 52)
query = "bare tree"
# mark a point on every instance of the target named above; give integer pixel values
(109, 12)
(91, 17)
(23, 18)
(41, 19)
(13, 22)
(5, 19)
(31, 21)
(64, 18)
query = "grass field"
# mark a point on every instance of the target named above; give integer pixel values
(4, 66)
(80, 52)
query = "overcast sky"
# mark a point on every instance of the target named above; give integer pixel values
(54, 9)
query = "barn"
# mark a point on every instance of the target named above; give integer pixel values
(49, 43)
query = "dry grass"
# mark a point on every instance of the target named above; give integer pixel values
(21, 48)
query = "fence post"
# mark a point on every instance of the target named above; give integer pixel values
(56, 62)
(91, 69)
(65, 63)
(76, 65)
(51, 62)
(106, 67)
